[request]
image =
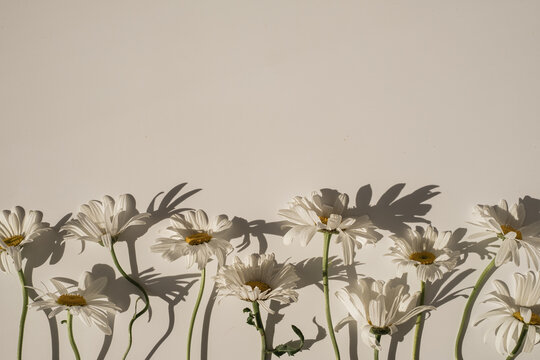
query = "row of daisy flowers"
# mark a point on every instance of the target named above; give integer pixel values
(378, 307)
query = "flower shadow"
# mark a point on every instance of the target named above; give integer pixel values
(258, 229)
(532, 209)
(310, 271)
(392, 212)
(48, 246)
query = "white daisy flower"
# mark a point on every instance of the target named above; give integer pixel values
(513, 312)
(378, 307)
(258, 278)
(16, 230)
(325, 214)
(194, 237)
(85, 302)
(426, 253)
(507, 224)
(104, 221)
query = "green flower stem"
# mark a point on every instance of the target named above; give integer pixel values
(194, 315)
(327, 236)
(522, 336)
(375, 351)
(419, 323)
(70, 334)
(468, 308)
(23, 314)
(260, 328)
(145, 296)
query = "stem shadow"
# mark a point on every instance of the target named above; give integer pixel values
(49, 246)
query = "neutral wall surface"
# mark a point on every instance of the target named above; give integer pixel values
(433, 104)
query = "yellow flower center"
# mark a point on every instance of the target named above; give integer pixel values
(262, 286)
(198, 239)
(323, 219)
(535, 318)
(423, 257)
(507, 228)
(13, 240)
(71, 300)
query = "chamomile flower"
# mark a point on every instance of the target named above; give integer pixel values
(84, 302)
(378, 307)
(327, 213)
(513, 313)
(16, 230)
(194, 237)
(505, 223)
(426, 253)
(258, 278)
(104, 221)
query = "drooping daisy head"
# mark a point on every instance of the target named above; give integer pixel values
(378, 307)
(258, 278)
(17, 229)
(513, 311)
(84, 301)
(424, 252)
(194, 237)
(104, 221)
(505, 223)
(326, 212)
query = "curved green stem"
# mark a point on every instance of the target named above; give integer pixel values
(375, 351)
(517, 348)
(145, 296)
(194, 315)
(23, 314)
(329, 324)
(260, 328)
(419, 323)
(468, 308)
(70, 334)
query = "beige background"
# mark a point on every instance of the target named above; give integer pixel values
(254, 102)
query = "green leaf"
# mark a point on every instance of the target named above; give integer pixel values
(292, 347)
(250, 316)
